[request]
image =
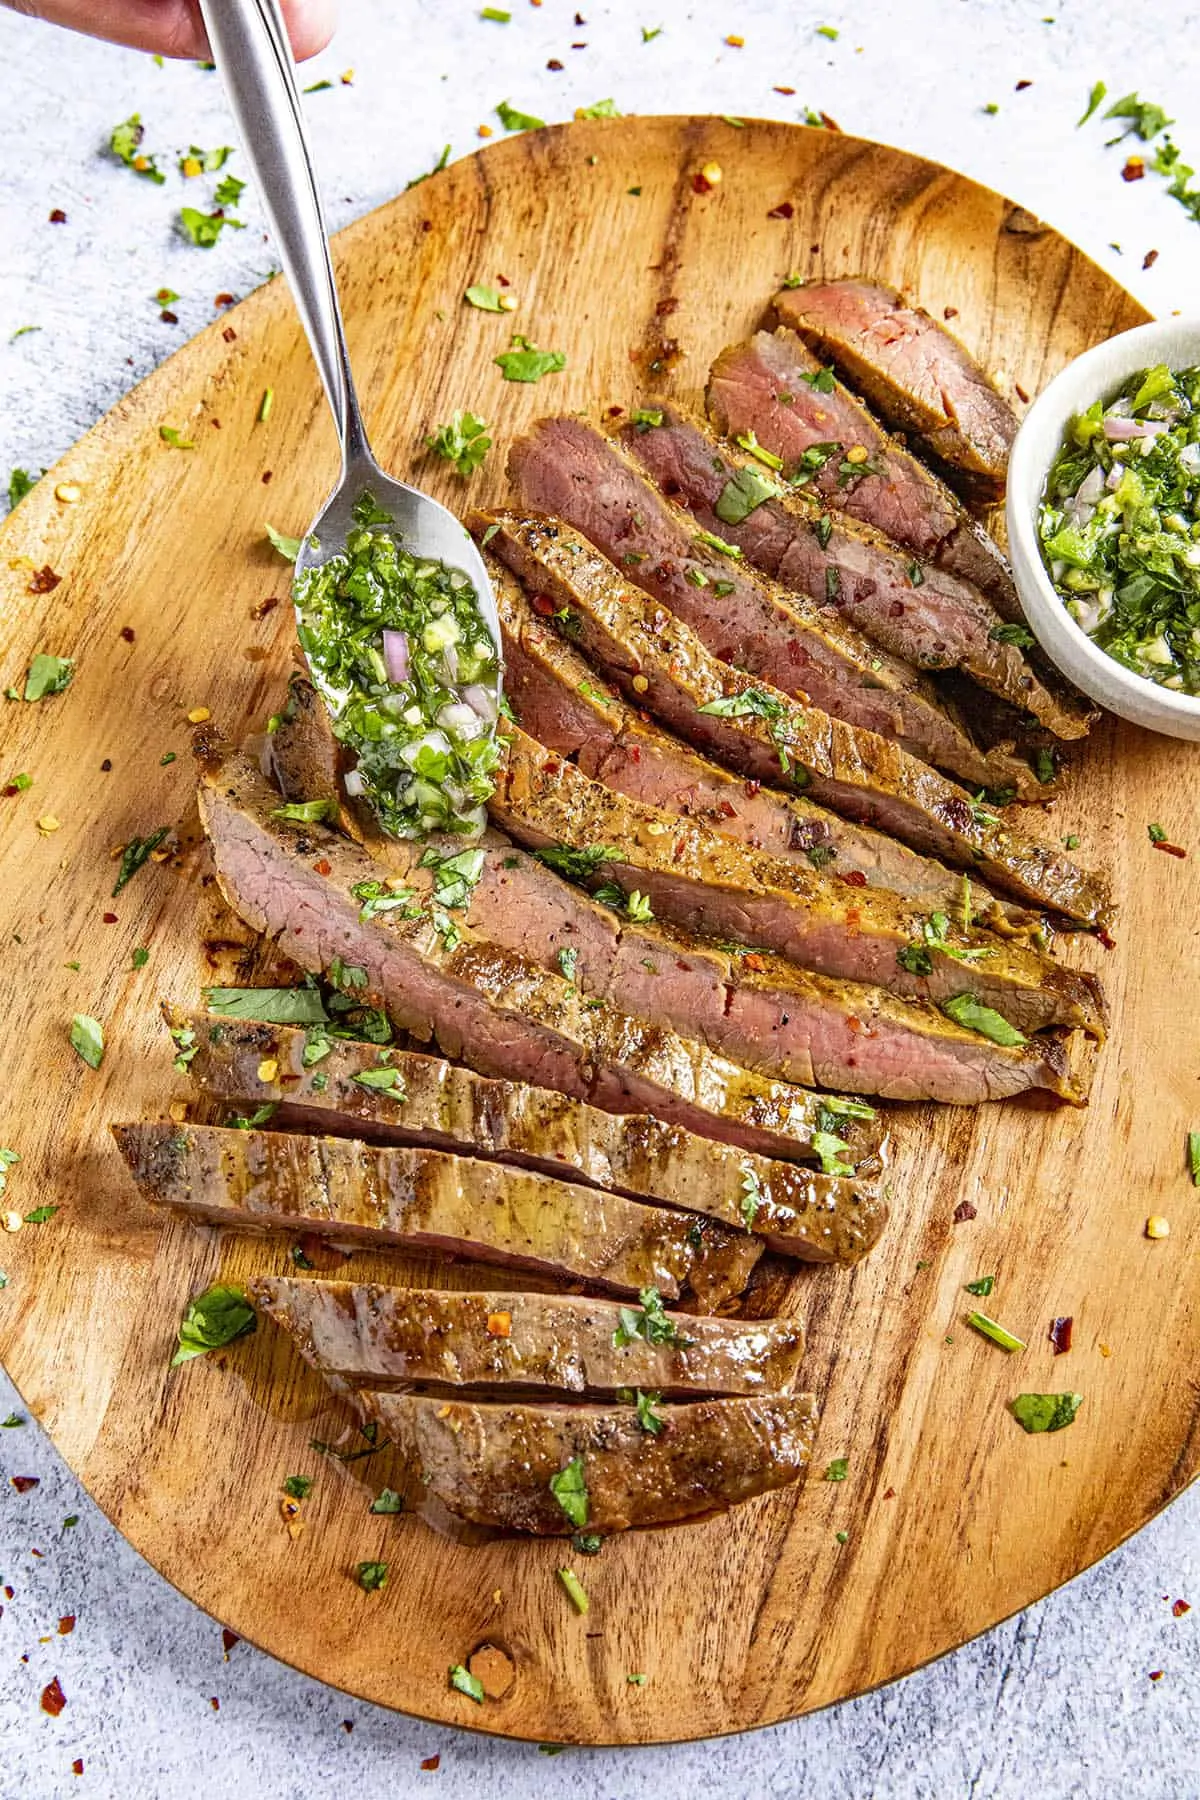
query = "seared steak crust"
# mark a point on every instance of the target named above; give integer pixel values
(493, 1464)
(384, 1337)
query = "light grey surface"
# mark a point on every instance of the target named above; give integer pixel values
(1058, 1702)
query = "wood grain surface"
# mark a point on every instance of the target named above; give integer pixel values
(953, 1516)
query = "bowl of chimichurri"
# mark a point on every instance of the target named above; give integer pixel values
(1104, 524)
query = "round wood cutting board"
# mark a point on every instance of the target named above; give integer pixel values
(170, 600)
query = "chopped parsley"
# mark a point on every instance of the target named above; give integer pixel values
(213, 1319)
(973, 1015)
(20, 483)
(170, 434)
(751, 703)
(126, 145)
(989, 1328)
(136, 853)
(1020, 635)
(383, 1081)
(711, 541)
(982, 1287)
(525, 362)
(751, 1198)
(288, 547)
(48, 675)
(297, 1487)
(569, 1488)
(387, 1501)
(742, 494)
(599, 109)
(463, 441)
(649, 1322)
(828, 1148)
(466, 1683)
(258, 1117)
(567, 960)
(268, 1006)
(648, 1419)
(575, 1591)
(576, 865)
(646, 418)
(41, 1215)
(87, 1039)
(838, 1469)
(308, 812)
(1045, 1412)
(1156, 833)
(203, 229)
(372, 1576)
(512, 120)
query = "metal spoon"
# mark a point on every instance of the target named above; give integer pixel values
(250, 45)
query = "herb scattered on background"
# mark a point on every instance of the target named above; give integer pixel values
(525, 362)
(570, 1490)
(599, 109)
(1045, 1412)
(751, 703)
(11, 1423)
(258, 1117)
(48, 675)
(298, 1487)
(170, 434)
(463, 442)
(829, 1147)
(982, 1288)
(195, 161)
(576, 865)
(1020, 635)
(372, 1576)
(203, 229)
(750, 1199)
(437, 168)
(268, 1006)
(486, 299)
(288, 547)
(308, 812)
(213, 1319)
(87, 1039)
(989, 1328)
(20, 483)
(387, 1501)
(8, 1160)
(41, 1215)
(575, 1590)
(466, 1683)
(587, 1543)
(838, 1469)
(125, 144)
(136, 853)
(1148, 122)
(140, 957)
(649, 33)
(650, 1323)
(742, 494)
(1156, 834)
(1094, 99)
(648, 1419)
(969, 1012)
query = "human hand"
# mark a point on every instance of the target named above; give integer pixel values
(172, 27)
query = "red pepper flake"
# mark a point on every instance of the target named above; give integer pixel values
(323, 867)
(168, 317)
(266, 476)
(214, 1703)
(785, 210)
(1150, 258)
(1134, 170)
(110, 918)
(964, 1211)
(36, 1552)
(1060, 1335)
(1180, 1607)
(1022, 85)
(128, 633)
(53, 1698)
(754, 960)
(854, 878)
(1170, 849)
(1022, 396)
(554, 64)
(58, 216)
(1104, 937)
(228, 1640)
(106, 766)
(669, 305)
(1156, 1674)
(347, 1726)
(9, 1592)
(891, 1494)
(613, 412)
(949, 312)
(263, 608)
(223, 300)
(77, 1766)
(230, 336)
(432, 1762)
(700, 183)
(784, 90)
(579, 19)
(43, 580)
(23, 1483)
(66, 1625)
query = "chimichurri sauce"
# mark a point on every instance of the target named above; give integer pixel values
(1120, 525)
(402, 656)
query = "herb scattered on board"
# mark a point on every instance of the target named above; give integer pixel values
(203, 229)
(213, 1319)
(268, 1006)
(750, 1199)
(599, 109)
(575, 1590)
(288, 547)
(41, 1215)
(649, 1420)
(1045, 1412)
(576, 865)
(136, 853)
(298, 1487)
(981, 1288)
(751, 703)
(48, 675)
(87, 1039)
(126, 145)
(437, 168)
(466, 1683)
(387, 1501)
(170, 434)
(20, 483)
(971, 1013)
(570, 1490)
(649, 1322)
(838, 1469)
(587, 1543)
(525, 362)
(372, 1576)
(463, 442)
(512, 120)
(989, 1328)
(308, 812)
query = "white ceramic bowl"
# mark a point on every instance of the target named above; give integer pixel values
(1096, 375)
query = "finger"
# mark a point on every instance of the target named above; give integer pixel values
(172, 27)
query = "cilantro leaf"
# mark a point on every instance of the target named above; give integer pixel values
(298, 1487)
(1097, 94)
(387, 1501)
(1045, 1412)
(576, 865)
(268, 1006)
(125, 143)
(466, 1683)
(745, 490)
(288, 547)
(308, 812)
(463, 442)
(48, 675)
(525, 362)
(970, 1012)
(20, 483)
(838, 1469)
(487, 299)
(170, 434)
(570, 1490)
(649, 1420)
(599, 109)
(649, 1322)
(512, 120)
(751, 703)
(87, 1039)
(213, 1319)
(372, 1576)
(205, 228)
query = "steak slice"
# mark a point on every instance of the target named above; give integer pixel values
(817, 1218)
(493, 1464)
(563, 703)
(495, 1009)
(423, 1200)
(389, 1337)
(564, 467)
(662, 664)
(911, 608)
(912, 371)
(772, 391)
(710, 885)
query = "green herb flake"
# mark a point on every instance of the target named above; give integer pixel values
(268, 1006)
(711, 541)
(512, 120)
(383, 1081)
(136, 854)
(1193, 1156)
(838, 1469)
(743, 493)
(569, 1488)
(20, 483)
(751, 1198)
(387, 1501)
(258, 1117)
(525, 362)
(496, 15)
(970, 1012)
(288, 547)
(466, 1683)
(486, 299)
(1095, 98)
(125, 143)
(308, 812)
(636, 1680)
(828, 31)
(171, 435)
(828, 1147)
(568, 957)
(990, 1329)
(297, 1487)
(265, 405)
(751, 703)
(648, 1322)
(649, 1420)
(437, 168)
(463, 442)
(213, 1319)
(87, 1039)
(983, 1287)
(1156, 833)
(372, 1576)
(575, 1592)
(1045, 1412)
(587, 1543)
(140, 957)
(48, 675)
(599, 109)
(12, 1422)
(576, 865)
(41, 1215)
(203, 229)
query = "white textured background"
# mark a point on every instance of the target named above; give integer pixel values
(1058, 1702)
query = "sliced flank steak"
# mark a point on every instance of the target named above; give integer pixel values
(723, 890)
(496, 1010)
(770, 389)
(763, 735)
(802, 645)
(388, 1337)
(421, 1200)
(562, 702)
(913, 372)
(910, 608)
(494, 1464)
(327, 1084)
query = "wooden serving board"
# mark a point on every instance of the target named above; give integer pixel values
(953, 1516)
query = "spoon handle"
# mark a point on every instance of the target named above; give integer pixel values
(250, 46)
